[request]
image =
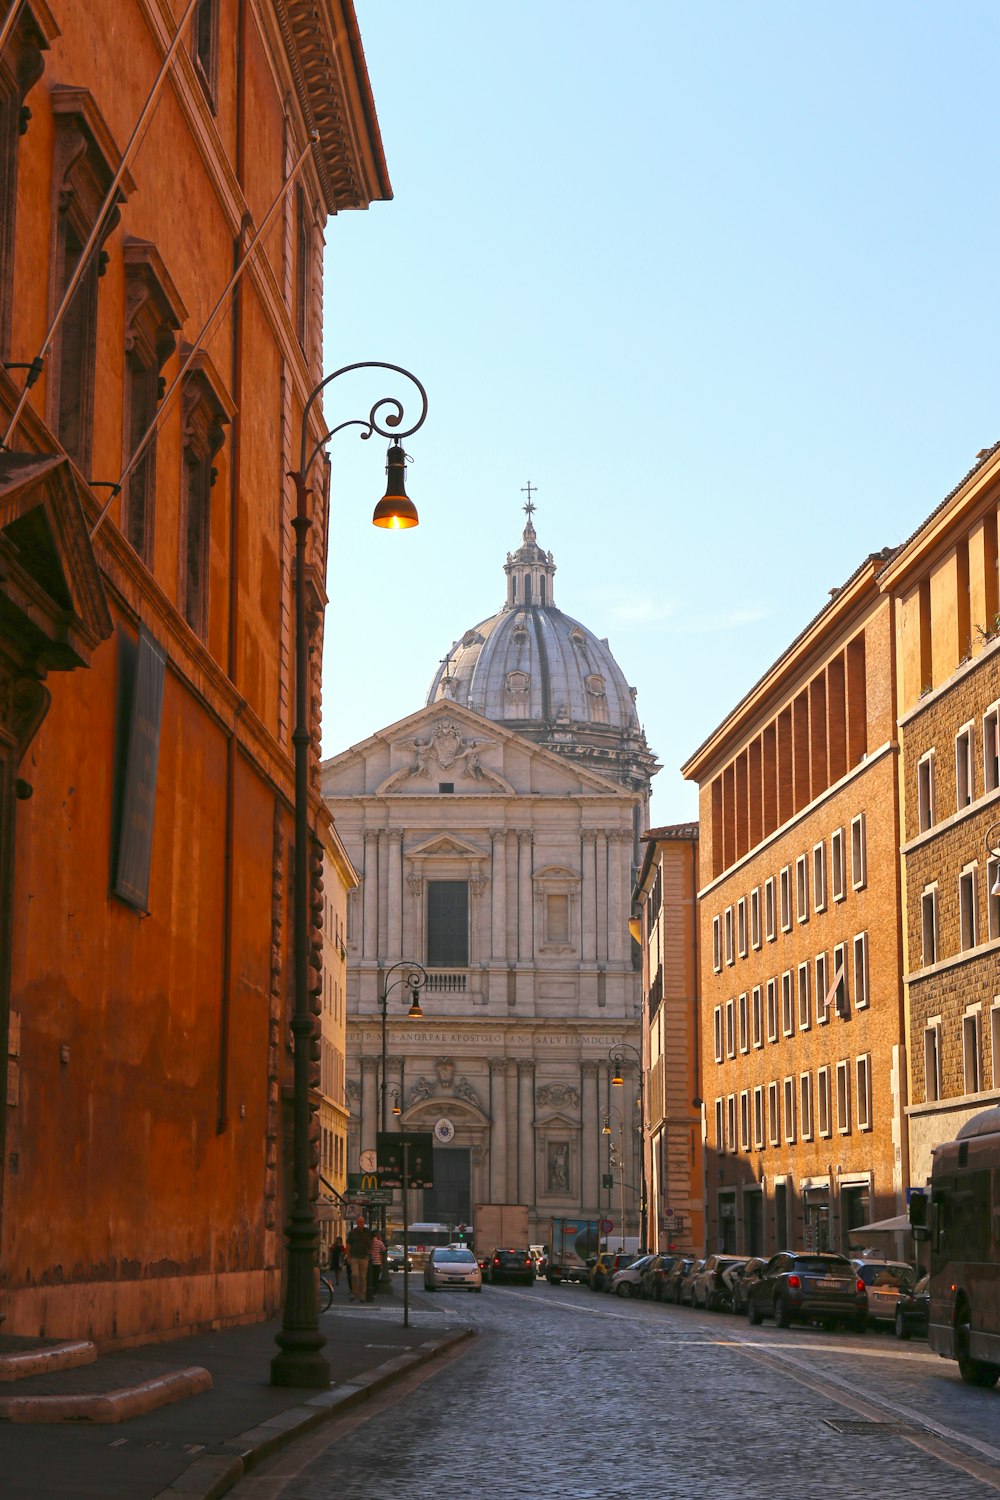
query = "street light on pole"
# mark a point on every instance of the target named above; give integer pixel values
(619, 1082)
(300, 1361)
(606, 1130)
(414, 979)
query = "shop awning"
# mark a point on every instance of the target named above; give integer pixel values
(881, 1226)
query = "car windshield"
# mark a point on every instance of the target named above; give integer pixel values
(462, 1257)
(876, 1276)
(831, 1266)
(510, 1255)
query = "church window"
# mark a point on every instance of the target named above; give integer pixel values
(557, 919)
(448, 923)
(527, 590)
(446, 786)
(541, 591)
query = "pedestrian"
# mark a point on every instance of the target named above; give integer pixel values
(359, 1247)
(375, 1264)
(338, 1251)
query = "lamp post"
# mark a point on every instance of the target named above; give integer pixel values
(414, 979)
(618, 1082)
(606, 1130)
(300, 1361)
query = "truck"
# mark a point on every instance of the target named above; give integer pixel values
(572, 1242)
(500, 1225)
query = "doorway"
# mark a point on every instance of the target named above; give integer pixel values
(449, 1201)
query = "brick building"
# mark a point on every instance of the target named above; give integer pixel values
(666, 894)
(944, 585)
(339, 879)
(146, 648)
(801, 1001)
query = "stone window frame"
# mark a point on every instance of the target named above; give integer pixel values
(801, 889)
(929, 925)
(772, 1010)
(859, 852)
(717, 944)
(732, 1140)
(744, 1119)
(770, 924)
(730, 1028)
(717, 1034)
(720, 1124)
(758, 1117)
(727, 932)
(819, 876)
(757, 1016)
(842, 996)
(785, 898)
(755, 927)
(788, 1109)
(154, 314)
(838, 881)
(822, 970)
(861, 970)
(824, 1113)
(85, 159)
(995, 1038)
(968, 906)
(741, 927)
(803, 997)
(992, 901)
(205, 411)
(773, 1114)
(965, 764)
(787, 1004)
(557, 880)
(932, 1053)
(926, 808)
(21, 67)
(991, 734)
(205, 49)
(806, 1106)
(843, 1096)
(741, 1024)
(863, 1090)
(972, 1052)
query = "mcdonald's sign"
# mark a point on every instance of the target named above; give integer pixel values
(365, 1188)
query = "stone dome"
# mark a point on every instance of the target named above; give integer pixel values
(537, 671)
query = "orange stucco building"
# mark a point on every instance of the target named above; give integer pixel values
(146, 653)
(802, 1038)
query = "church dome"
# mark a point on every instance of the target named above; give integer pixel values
(537, 671)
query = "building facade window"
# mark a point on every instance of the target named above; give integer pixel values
(995, 1040)
(773, 1115)
(731, 1138)
(755, 917)
(758, 1117)
(448, 924)
(742, 1023)
(819, 877)
(756, 1017)
(802, 889)
(728, 929)
(925, 792)
(717, 944)
(789, 1108)
(741, 927)
(769, 923)
(967, 910)
(806, 1105)
(991, 749)
(744, 1120)
(21, 67)
(805, 1004)
(841, 997)
(822, 989)
(730, 1029)
(932, 1060)
(717, 1033)
(772, 1010)
(965, 787)
(863, 1092)
(971, 1053)
(859, 853)
(838, 885)
(993, 898)
(861, 970)
(785, 898)
(823, 1119)
(787, 1009)
(928, 926)
(843, 1098)
(205, 47)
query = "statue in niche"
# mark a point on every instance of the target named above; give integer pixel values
(559, 1167)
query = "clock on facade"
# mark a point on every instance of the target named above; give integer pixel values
(444, 1131)
(368, 1161)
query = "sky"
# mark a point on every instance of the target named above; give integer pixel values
(720, 279)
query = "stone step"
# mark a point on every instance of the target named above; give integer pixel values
(23, 1357)
(110, 1389)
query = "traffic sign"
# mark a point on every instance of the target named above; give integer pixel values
(607, 1226)
(419, 1158)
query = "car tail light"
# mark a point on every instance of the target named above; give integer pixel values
(794, 1281)
(861, 1285)
(496, 1260)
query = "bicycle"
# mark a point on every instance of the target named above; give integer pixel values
(325, 1294)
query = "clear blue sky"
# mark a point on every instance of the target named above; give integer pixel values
(720, 279)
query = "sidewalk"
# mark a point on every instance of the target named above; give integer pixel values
(199, 1447)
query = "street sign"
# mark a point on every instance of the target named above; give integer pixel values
(366, 1188)
(420, 1158)
(607, 1226)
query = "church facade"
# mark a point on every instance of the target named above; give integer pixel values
(498, 861)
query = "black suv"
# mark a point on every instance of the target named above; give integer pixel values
(806, 1286)
(510, 1265)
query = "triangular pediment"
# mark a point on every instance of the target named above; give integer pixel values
(447, 846)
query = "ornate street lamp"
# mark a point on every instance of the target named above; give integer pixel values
(606, 1130)
(619, 1082)
(300, 1361)
(415, 978)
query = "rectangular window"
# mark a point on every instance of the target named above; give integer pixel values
(995, 1040)
(859, 853)
(806, 1105)
(838, 886)
(970, 1050)
(932, 1061)
(802, 889)
(745, 1120)
(742, 1018)
(964, 781)
(787, 1014)
(717, 1025)
(863, 1092)
(717, 944)
(557, 919)
(805, 1009)
(993, 897)
(819, 877)
(925, 792)
(773, 1115)
(757, 1018)
(729, 934)
(772, 1010)
(928, 926)
(448, 924)
(789, 1107)
(741, 927)
(822, 988)
(720, 1125)
(843, 1098)
(967, 912)
(785, 887)
(769, 929)
(755, 916)
(991, 749)
(731, 1140)
(758, 1117)
(841, 997)
(730, 1029)
(823, 1101)
(861, 970)
(205, 46)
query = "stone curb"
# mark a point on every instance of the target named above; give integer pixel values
(214, 1474)
(45, 1361)
(108, 1406)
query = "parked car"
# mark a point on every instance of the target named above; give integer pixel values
(626, 1282)
(884, 1281)
(654, 1276)
(605, 1266)
(743, 1280)
(805, 1286)
(709, 1289)
(510, 1265)
(685, 1292)
(672, 1281)
(452, 1266)
(620, 1262)
(913, 1310)
(394, 1258)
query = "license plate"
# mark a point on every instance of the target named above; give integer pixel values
(833, 1286)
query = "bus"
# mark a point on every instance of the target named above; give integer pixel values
(962, 1224)
(421, 1240)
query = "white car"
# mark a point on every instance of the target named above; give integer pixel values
(627, 1283)
(885, 1281)
(452, 1266)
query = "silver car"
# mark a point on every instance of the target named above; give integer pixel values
(885, 1282)
(452, 1265)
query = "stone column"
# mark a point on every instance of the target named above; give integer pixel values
(498, 940)
(601, 888)
(394, 934)
(588, 898)
(478, 886)
(413, 936)
(590, 1170)
(525, 944)
(510, 1088)
(497, 1175)
(369, 1102)
(369, 936)
(619, 858)
(526, 1132)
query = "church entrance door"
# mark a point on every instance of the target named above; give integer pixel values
(449, 1201)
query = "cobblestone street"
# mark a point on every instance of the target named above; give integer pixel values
(566, 1392)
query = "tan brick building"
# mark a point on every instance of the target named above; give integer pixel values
(666, 893)
(801, 1001)
(339, 879)
(944, 585)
